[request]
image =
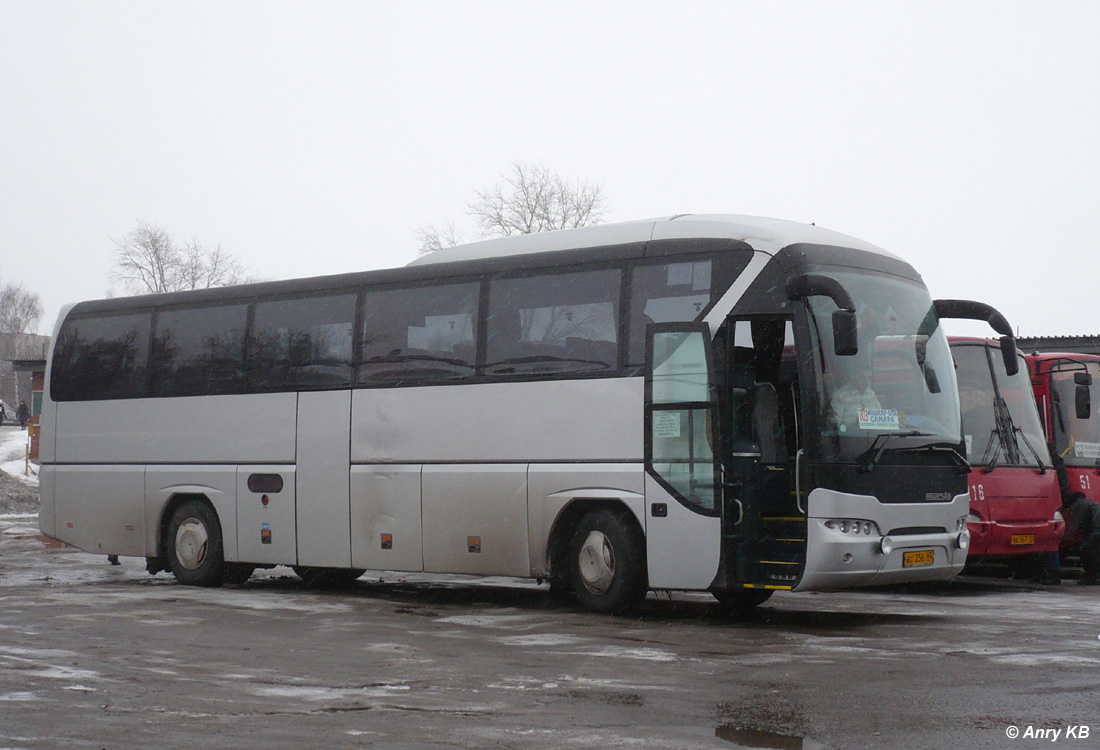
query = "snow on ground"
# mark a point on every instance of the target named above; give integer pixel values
(13, 454)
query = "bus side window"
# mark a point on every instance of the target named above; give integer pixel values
(422, 334)
(101, 357)
(301, 343)
(554, 323)
(665, 293)
(199, 351)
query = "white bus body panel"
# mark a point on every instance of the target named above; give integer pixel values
(836, 560)
(199, 429)
(475, 519)
(385, 500)
(101, 508)
(551, 487)
(562, 420)
(684, 548)
(217, 483)
(47, 496)
(323, 494)
(266, 534)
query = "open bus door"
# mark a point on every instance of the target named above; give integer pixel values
(764, 524)
(682, 473)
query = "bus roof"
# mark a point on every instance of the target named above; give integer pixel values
(760, 233)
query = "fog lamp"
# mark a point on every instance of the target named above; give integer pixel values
(886, 545)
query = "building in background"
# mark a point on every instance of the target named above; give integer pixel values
(15, 385)
(1068, 344)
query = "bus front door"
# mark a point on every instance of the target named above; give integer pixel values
(683, 521)
(764, 528)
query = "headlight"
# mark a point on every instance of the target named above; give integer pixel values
(857, 527)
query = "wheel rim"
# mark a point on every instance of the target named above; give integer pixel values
(596, 563)
(191, 542)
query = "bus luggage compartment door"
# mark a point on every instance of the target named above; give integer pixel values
(266, 531)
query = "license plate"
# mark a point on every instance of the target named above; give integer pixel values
(1022, 540)
(917, 558)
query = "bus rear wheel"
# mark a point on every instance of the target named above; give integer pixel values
(195, 553)
(608, 563)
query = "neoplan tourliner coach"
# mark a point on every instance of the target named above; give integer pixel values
(709, 403)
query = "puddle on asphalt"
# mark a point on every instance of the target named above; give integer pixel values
(756, 738)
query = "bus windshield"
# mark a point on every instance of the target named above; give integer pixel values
(1077, 440)
(902, 381)
(1000, 422)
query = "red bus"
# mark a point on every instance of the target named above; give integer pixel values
(1063, 384)
(1014, 499)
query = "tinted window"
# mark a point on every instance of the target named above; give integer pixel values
(301, 343)
(665, 293)
(101, 358)
(199, 351)
(419, 334)
(560, 323)
(976, 396)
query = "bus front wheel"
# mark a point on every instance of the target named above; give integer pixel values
(608, 563)
(195, 545)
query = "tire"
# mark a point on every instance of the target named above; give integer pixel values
(238, 573)
(195, 552)
(740, 601)
(607, 563)
(327, 578)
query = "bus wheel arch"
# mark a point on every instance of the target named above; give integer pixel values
(597, 556)
(191, 543)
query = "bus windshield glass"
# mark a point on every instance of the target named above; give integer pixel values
(901, 382)
(1077, 440)
(1000, 421)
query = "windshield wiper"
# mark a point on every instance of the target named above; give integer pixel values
(870, 457)
(950, 451)
(994, 445)
(1020, 431)
(955, 454)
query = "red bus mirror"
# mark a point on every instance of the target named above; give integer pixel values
(1082, 399)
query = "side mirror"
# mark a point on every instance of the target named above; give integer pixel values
(1082, 378)
(845, 335)
(931, 379)
(1008, 352)
(1082, 400)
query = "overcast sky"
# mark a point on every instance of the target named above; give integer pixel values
(314, 138)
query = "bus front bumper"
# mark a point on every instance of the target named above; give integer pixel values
(1011, 538)
(931, 548)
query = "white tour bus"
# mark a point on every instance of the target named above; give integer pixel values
(706, 403)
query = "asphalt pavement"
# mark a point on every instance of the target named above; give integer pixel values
(100, 656)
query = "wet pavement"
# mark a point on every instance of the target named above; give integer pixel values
(99, 656)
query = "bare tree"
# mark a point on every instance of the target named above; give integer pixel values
(149, 260)
(20, 310)
(432, 238)
(530, 198)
